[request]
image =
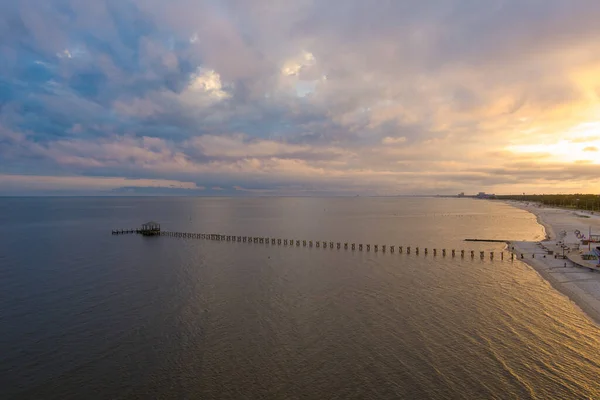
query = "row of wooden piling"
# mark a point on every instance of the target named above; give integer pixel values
(124, 231)
(328, 244)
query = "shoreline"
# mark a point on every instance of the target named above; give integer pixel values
(579, 284)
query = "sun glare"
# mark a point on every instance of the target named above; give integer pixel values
(580, 144)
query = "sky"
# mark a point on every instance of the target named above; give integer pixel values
(304, 97)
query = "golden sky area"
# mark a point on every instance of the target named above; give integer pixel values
(300, 98)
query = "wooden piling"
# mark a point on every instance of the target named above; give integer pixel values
(325, 244)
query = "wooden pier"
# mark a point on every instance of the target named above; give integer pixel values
(487, 240)
(148, 229)
(125, 231)
(153, 229)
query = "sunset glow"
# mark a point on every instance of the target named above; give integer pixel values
(580, 145)
(300, 98)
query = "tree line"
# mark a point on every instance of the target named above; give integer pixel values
(590, 202)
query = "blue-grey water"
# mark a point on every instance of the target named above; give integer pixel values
(85, 314)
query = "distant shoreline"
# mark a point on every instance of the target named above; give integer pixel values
(580, 285)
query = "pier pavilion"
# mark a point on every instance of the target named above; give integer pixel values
(150, 228)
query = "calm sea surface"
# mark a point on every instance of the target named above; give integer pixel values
(84, 314)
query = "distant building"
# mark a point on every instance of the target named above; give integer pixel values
(461, 194)
(484, 195)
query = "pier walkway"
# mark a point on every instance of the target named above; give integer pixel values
(291, 242)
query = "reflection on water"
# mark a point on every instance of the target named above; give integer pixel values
(86, 314)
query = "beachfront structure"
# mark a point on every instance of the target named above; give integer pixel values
(593, 255)
(484, 195)
(150, 228)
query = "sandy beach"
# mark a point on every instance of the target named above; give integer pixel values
(581, 285)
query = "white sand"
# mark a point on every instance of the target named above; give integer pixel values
(581, 285)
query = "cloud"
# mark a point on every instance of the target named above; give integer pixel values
(300, 97)
(393, 140)
(586, 139)
(297, 64)
(57, 183)
(207, 82)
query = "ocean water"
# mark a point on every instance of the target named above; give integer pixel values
(85, 314)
